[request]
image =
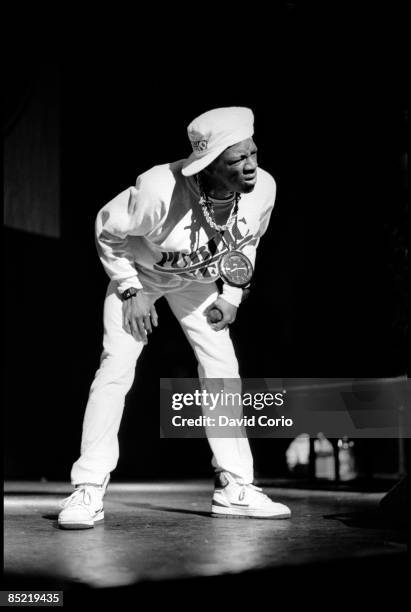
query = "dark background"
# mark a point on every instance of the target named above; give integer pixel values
(329, 293)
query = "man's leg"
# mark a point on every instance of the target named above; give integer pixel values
(216, 359)
(113, 379)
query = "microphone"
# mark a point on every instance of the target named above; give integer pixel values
(215, 315)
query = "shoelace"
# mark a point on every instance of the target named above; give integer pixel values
(77, 498)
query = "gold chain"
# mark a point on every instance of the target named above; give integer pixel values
(208, 212)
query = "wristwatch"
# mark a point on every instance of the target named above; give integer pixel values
(129, 293)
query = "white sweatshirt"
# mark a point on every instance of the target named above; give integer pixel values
(155, 236)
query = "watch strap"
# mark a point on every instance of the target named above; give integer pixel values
(129, 293)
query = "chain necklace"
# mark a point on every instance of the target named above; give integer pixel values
(234, 266)
(208, 211)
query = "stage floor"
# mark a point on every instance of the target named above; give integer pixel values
(163, 531)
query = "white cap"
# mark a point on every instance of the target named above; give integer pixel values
(212, 132)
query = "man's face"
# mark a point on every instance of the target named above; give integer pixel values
(236, 168)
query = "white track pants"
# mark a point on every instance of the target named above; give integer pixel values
(216, 359)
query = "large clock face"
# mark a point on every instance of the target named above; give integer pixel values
(236, 268)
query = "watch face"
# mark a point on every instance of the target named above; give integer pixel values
(236, 269)
(129, 293)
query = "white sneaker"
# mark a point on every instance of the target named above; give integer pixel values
(233, 499)
(84, 507)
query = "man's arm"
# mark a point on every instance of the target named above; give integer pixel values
(132, 213)
(231, 297)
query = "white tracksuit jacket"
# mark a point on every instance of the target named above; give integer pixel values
(154, 235)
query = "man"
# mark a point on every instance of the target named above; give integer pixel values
(182, 227)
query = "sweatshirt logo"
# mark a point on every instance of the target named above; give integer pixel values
(203, 262)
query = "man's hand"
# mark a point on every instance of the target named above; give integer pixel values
(139, 315)
(228, 311)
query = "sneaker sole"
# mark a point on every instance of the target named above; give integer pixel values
(221, 512)
(83, 525)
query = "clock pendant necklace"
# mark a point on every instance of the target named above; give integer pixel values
(234, 267)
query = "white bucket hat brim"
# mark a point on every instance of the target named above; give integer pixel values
(194, 164)
(213, 132)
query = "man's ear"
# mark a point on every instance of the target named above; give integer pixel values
(207, 172)
(210, 169)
